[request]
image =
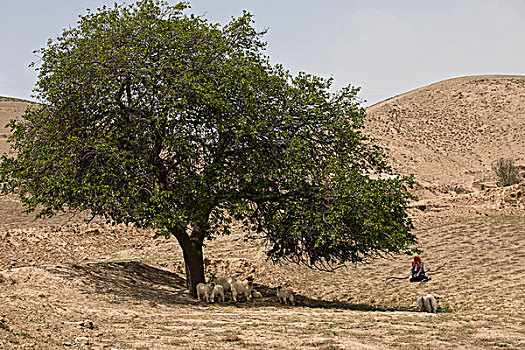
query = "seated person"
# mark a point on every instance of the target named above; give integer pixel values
(417, 271)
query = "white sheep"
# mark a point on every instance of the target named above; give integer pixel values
(209, 291)
(429, 303)
(284, 295)
(201, 290)
(421, 303)
(204, 291)
(225, 282)
(242, 288)
(218, 291)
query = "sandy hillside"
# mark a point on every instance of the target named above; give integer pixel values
(9, 109)
(57, 273)
(451, 132)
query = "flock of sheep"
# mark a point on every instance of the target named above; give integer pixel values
(218, 286)
(215, 289)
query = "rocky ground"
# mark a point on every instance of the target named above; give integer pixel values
(131, 287)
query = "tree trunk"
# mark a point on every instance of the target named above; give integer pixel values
(193, 260)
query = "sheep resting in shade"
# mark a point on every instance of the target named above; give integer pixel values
(242, 288)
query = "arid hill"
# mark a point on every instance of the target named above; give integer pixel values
(450, 133)
(9, 109)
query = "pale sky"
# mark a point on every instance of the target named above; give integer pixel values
(387, 47)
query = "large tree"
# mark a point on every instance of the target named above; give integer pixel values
(161, 119)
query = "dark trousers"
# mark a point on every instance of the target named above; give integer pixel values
(419, 278)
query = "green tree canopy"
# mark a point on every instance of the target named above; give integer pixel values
(154, 117)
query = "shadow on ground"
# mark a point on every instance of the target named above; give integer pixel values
(305, 301)
(128, 280)
(138, 281)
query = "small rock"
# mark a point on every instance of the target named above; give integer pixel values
(88, 324)
(82, 340)
(93, 231)
(3, 324)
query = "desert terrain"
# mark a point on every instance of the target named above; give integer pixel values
(57, 273)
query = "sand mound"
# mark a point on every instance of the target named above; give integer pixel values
(9, 109)
(450, 133)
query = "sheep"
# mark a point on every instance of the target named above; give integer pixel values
(256, 294)
(204, 291)
(218, 291)
(225, 282)
(421, 303)
(432, 303)
(201, 290)
(429, 303)
(242, 287)
(284, 295)
(209, 291)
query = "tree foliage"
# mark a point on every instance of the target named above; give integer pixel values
(161, 119)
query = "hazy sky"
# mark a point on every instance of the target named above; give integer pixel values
(386, 47)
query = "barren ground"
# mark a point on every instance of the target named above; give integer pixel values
(57, 273)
